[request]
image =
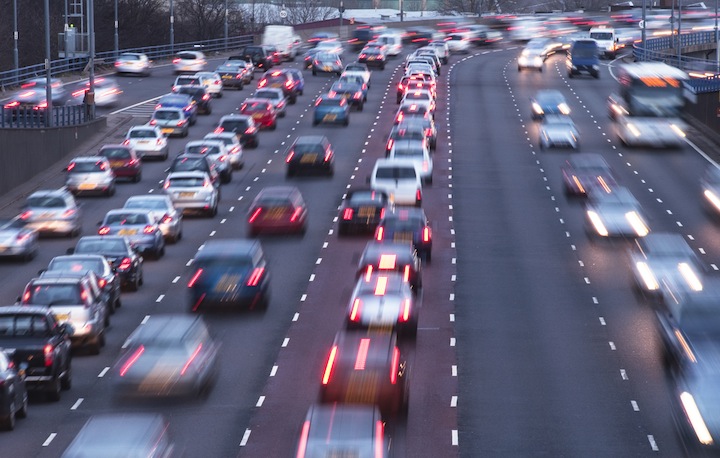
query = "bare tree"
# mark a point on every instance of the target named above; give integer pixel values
(199, 19)
(464, 6)
(309, 11)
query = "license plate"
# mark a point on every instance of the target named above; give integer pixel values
(366, 212)
(308, 158)
(226, 77)
(127, 232)
(257, 116)
(327, 68)
(167, 130)
(143, 142)
(276, 213)
(117, 163)
(346, 95)
(86, 186)
(403, 237)
(187, 194)
(371, 58)
(62, 316)
(276, 85)
(329, 117)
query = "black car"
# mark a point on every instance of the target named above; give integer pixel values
(373, 56)
(260, 56)
(406, 131)
(418, 35)
(309, 57)
(351, 91)
(281, 79)
(407, 225)
(362, 210)
(230, 272)
(125, 259)
(233, 75)
(182, 101)
(13, 393)
(244, 126)
(421, 122)
(310, 153)
(200, 97)
(394, 257)
(585, 172)
(108, 279)
(189, 162)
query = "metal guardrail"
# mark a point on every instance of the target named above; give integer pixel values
(12, 78)
(29, 117)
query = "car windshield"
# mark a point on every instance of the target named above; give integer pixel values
(55, 294)
(45, 202)
(186, 182)
(254, 107)
(77, 265)
(142, 133)
(366, 197)
(166, 115)
(302, 148)
(101, 246)
(126, 219)
(330, 103)
(152, 204)
(86, 167)
(202, 149)
(116, 153)
(601, 35)
(24, 326)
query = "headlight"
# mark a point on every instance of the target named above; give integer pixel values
(536, 108)
(677, 130)
(637, 223)
(690, 276)
(647, 276)
(634, 130)
(538, 61)
(596, 67)
(597, 223)
(564, 109)
(709, 195)
(695, 418)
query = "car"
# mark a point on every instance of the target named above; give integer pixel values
(322, 35)
(212, 83)
(233, 75)
(32, 97)
(260, 56)
(420, 96)
(531, 58)
(330, 47)
(13, 392)
(139, 226)
(279, 210)
(298, 78)
(425, 57)
(407, 225)
(148, 141)
(444, 50)
(664, 259)
(186, 162)
(74, 298)
(614, 214)
(215, 150)
(229, 272)
(241, 125)
(585, 172)
(51, 212)
(108, 279)
(406, 131)
(274, 55)
(361, 211)
(192, 191)
(352, 92)
(189, 61)
(583, 56)
(412, 110)
(364, 34)
(373, 56)
(17, 240)
(650, 132)
(558, 131)
(90, 175)
(233, 147)
(262, 111)
(182, 101)
(355, 79)
(548, 101)
(171, 121)
(358, 69)
(393, 41)
(327, 63)
(162, 209)
(124, 161)
(133, 63)
(199, 95)
(240, 60)
(459, 43)
(399, 257)
(107, 92)
(309, 57)
(310, 153)
(426, 123)
(283, 80)
(366, 368)
(124, 258)
(117, 434)
(276, 97)
(399, 179)
(167, 355)
(328, 109)
(414, 82)
(358, 430)
(710, 185)
(417, 151)
(185, 80)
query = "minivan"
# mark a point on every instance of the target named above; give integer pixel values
(399, 178)
(583, 56)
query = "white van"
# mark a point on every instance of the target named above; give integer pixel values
(398, 178)
(284, 38)
(393, 41)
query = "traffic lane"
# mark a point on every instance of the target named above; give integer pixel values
(546, 356)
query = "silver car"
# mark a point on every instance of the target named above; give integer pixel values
(232, 146)
(215, 150)
(52, 211)
(171, 121)
(139, 226)
(192, 191)
(90, 174)
(614, 214)
(559, 131)
(135, 63)
(189, 61)
(161, 207)
(17, 240)
(275, 96)
(148, 141)
(212, 82)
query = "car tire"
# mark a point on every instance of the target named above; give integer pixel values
(273, 126)
(428, 257)
(66, 381)
(137, 177)
(219, 95)
(135, 285)
(314, 72)
(360, 107)
(346, 122)
(160, 253)
(293, 101)
(8, 423)
(111, 191)
(289, 173)
(519, 69)
(570, 75)
(382, 67)
(165, 155)
(596, 75)
(315, 122)
(300, 92)
(53, 392)
(23, 410)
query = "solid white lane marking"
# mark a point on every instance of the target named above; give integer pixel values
(453, 401)
(455, 437)
(49, 439)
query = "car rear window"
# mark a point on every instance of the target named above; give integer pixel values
(55, 294)
(45, 202)
(100, 246)
(396, 173)
(366, 197)
(123, 219)
(187, 182)
(153, 204)
(234, 126)
(77, 265)
(166, 115)
(116, 153)
(24, 326)
(254, 107)
(187, 56)
(86, 167)
(142, 133)
(202, 149)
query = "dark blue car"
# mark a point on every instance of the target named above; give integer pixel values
(297, 76)
(182, 101)
(331, 109)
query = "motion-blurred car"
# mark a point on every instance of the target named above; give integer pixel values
(283, 80)
(650, 132)
(199, 95)
(107, 92)
(192, 191)
(406, 131)
(29, 104)
(383, 301)
(458, 43)
(133, 63)
(212, 82)
(262, 111)
(124, 161)
(444, 50)
(418, 152)
(274, 96)
(299, 79)
(710, 185)
(350, 91)
(357, 430)
(52, 211)
(358, 69)
(139, 226)
(548, 101)
(407, 225)
(330, 47)
(586, 172)
(420, 96)
(241, 125)
(13, 392)
(278, 209)
(187, 162)
(189, 61)
(531, 58)
(215, 151)
(122, 435)
(230, 272)
(170, 219)
(310, 153)
(233, 147)
(399, 179)
(148, 141)
(17, 240)
(400, 257)
(125, 259)
(182, 101)
(558, 131)
(334, 110)
(108, 279)
(614, 214)
(324, 62)
(171, 121)
(233, 75)
(373, 56)
(309, 57)
(366, 368)
(414, 82)
(90, 175)
(167, 355)
(185, 80)
(425, 123)
(362, 210)
(412, 110)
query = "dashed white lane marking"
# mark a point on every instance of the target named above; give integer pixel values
(635, 406)
(653, 444)
(296, 316)
(212, 234)
(454, 370)
(160, 298)
(273, 371)
(145, 319)
(303, 298)
(103, 372)
(176, 279)
(452, 341)
(612, 346)
(602, 321)
(453, 401)
(188, 263)
(623, 374)
(260, 401)
(49, 439)
(312, 277)
(77, 404)
(246, 436)
(286, 341)
(455, 437)
(452, 317)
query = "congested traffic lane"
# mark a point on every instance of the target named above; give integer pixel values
(213, 427)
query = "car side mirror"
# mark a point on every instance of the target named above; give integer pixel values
(70, 251)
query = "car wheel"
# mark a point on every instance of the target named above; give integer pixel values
(137, 177)
(293, 100)
(160, 253)
(111, 191)
(597, 75)
(23, 410)
(282, 115)
(347, 121)
(273, 126)
(66, 381)
(184, 133)
(135, 285)
(9, 421)
(300, 92)
(240, 87)
(315, 122)
(382, 67)
(360, 107)
(75, 232)
(314, 72)
(519, 68)
(428, 257)
(219, 95)
(570, 75)
(53, 393)
(165, 155)
(106, 320)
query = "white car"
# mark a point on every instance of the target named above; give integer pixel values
(359, 69)
(399, 179)
(458, 43)
(212, 82)
(217, 153)
(275, 96)
(650, 132)
(162, 209)
(233, 147)
(531, 58)
(135, 63)
(558, 131)
(189, 61)
(421, 97)
(441, 49)
(417, 151)
(330, 47)
(147, 141)
(192, 191)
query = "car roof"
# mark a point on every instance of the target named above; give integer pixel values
(376, 249)
(166, 327)
(28, 309)
(188, 174)
(277, 191)
(227, 248)
(310, 139)
(405, 213)
(117, 434)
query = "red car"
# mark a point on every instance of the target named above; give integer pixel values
(278, 209)
(262, 112)
(124, 161)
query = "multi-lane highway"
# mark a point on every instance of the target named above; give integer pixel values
(530, 342)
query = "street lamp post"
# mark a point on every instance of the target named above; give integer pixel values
(642, 30)
(717, 53)
(172, 28)
(16, 64)
(48, 86)
(226, 24)
(91, 63)
(117, 39)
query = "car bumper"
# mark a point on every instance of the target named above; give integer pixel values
(59, 226)
(125, 172)
(89, 188)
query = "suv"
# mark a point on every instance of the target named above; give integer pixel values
(243, 126)
(74, 298)
(399, 178)
(260, 56)
(215, 150)
(281, 79)
(199, 95)
(583, 56)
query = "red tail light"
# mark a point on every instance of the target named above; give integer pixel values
(382, 213)
(191, 359)
(355, 311)
(328, 155)
(290, 156)
(363, 55)
(302, 446)
(262, 83)
(105, 230)
(126, 142)
(218, 130)
(181, 122)
(380, 234)
(418, 195)
(357, 95)
(176, 61)
(12, 104)
(132, 360)
(148, 229)
(296, 214)
(361, 358)
(48, 353)
(166, 219)
(288, 84)
(255, 276)
(102, 282)
(26, 297)
(347, 214)
(217, 82)
(329, 365)
(332, 93)
(394, 366)
(125, 264)
(406, 273)
(206, 97)
(255, 215)
(152, 122)
(379, 439)
(405, 311)
(400, 117)
(166, 184)
(158, 106)
(195, 278)
(249, 130)
(390, 144)
(26, 215)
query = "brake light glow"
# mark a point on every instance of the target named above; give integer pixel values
(379, 438)
(152, 122)
(302, 446)
(426, 234)
(395, 366)
(380, 233)
(406, 273)
(166, 219)
(26, 296)
(25, 215)
(354, 312)
(347, 214)
(296, 214)
(255, 276)
(329, 365)
(262, 83)
(102, 282)
(390, 144)
(191, 359)
(361, 358)
(125, 264)
(104, 230)
(381, 286)
(148, 229)
(48, 353)
(255, 215)
(418, 195)
(250, 130)
(328, 155)
(405, 312)
(12, 104)
(132, 360)
(176, 61)
(387, 262)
